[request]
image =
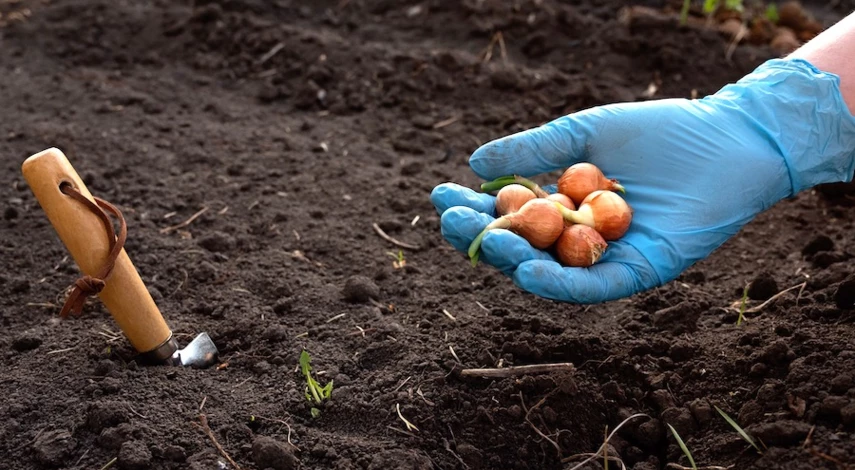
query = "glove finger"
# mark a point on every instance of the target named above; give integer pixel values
(621, 272)
(555, 145)
(505, 250)
(448, 195)
(460, 225)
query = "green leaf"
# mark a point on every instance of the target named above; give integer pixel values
(735, 5)
(315, 412)
(710, 6)
(326, 392)
(683, 446)
(772, 13)
(305, 363)
(738, 429)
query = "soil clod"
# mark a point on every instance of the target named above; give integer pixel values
(270, 453)
(360, 289)
(844, 296)
(53, 448)
(134, 455)
(763, 287)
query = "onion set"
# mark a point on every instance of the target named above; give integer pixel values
(539, 221)
(575, 223)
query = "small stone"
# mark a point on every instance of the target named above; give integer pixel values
(270, 453)
(649, 434)
(204, 272)
(750, 413)
(134, 455)
(26, 342)
(53, 448)
(111, 385)
(844, 297)
(819, 243)
(762, 287)
(360, 289)
(217, 242)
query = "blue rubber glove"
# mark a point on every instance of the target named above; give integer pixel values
(695, 172)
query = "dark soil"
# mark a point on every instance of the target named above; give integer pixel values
(299, 125)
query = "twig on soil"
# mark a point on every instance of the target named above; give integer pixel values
(601, 450)
(446, 122)
(81, 457)
(207, 429)
(137, 412)
(110, 463)
(57, 351)
(41, 304)
(535, 428)
(281, 422)
(482, 306)
(775, 297)
(393, 428)
(410, 426)
(402, 384)
(514, 371)
(337, 317)
(712, 467)
(488, 52)
(391, 240)
(450, 316)
(272, 52)
(185, 223)
(454, 354)
(202, 405)
(809, 447)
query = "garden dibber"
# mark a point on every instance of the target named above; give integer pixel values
(84, 226)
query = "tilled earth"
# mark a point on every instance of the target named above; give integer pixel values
(296, 126)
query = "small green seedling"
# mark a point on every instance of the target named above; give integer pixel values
(738, 429)
(710, 6)
(683, 447)
(771, 13)
(684, 12)
(400, 261)
(315, 394)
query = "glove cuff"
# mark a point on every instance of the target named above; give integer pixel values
(802, 111)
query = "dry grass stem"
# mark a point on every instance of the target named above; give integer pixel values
(601, 450)
(203, 424)
(185, 223)
(391, 240)
(514, 371)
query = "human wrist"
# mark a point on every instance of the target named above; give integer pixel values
(802, 112)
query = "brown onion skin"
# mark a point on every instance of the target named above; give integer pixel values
(538, 221)
(612, 215)
(511, 198)
(582, 179)
(562, 199)
(579, 246)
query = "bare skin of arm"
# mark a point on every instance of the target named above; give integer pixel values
(833, 51)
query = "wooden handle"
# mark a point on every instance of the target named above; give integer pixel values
(85, 237)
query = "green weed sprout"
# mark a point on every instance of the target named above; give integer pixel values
(684, 12)
(315, 394)
(710, 6)
(683, 446)
(771, 13)
(738, 429)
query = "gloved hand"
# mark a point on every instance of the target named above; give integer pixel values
(695, 172)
